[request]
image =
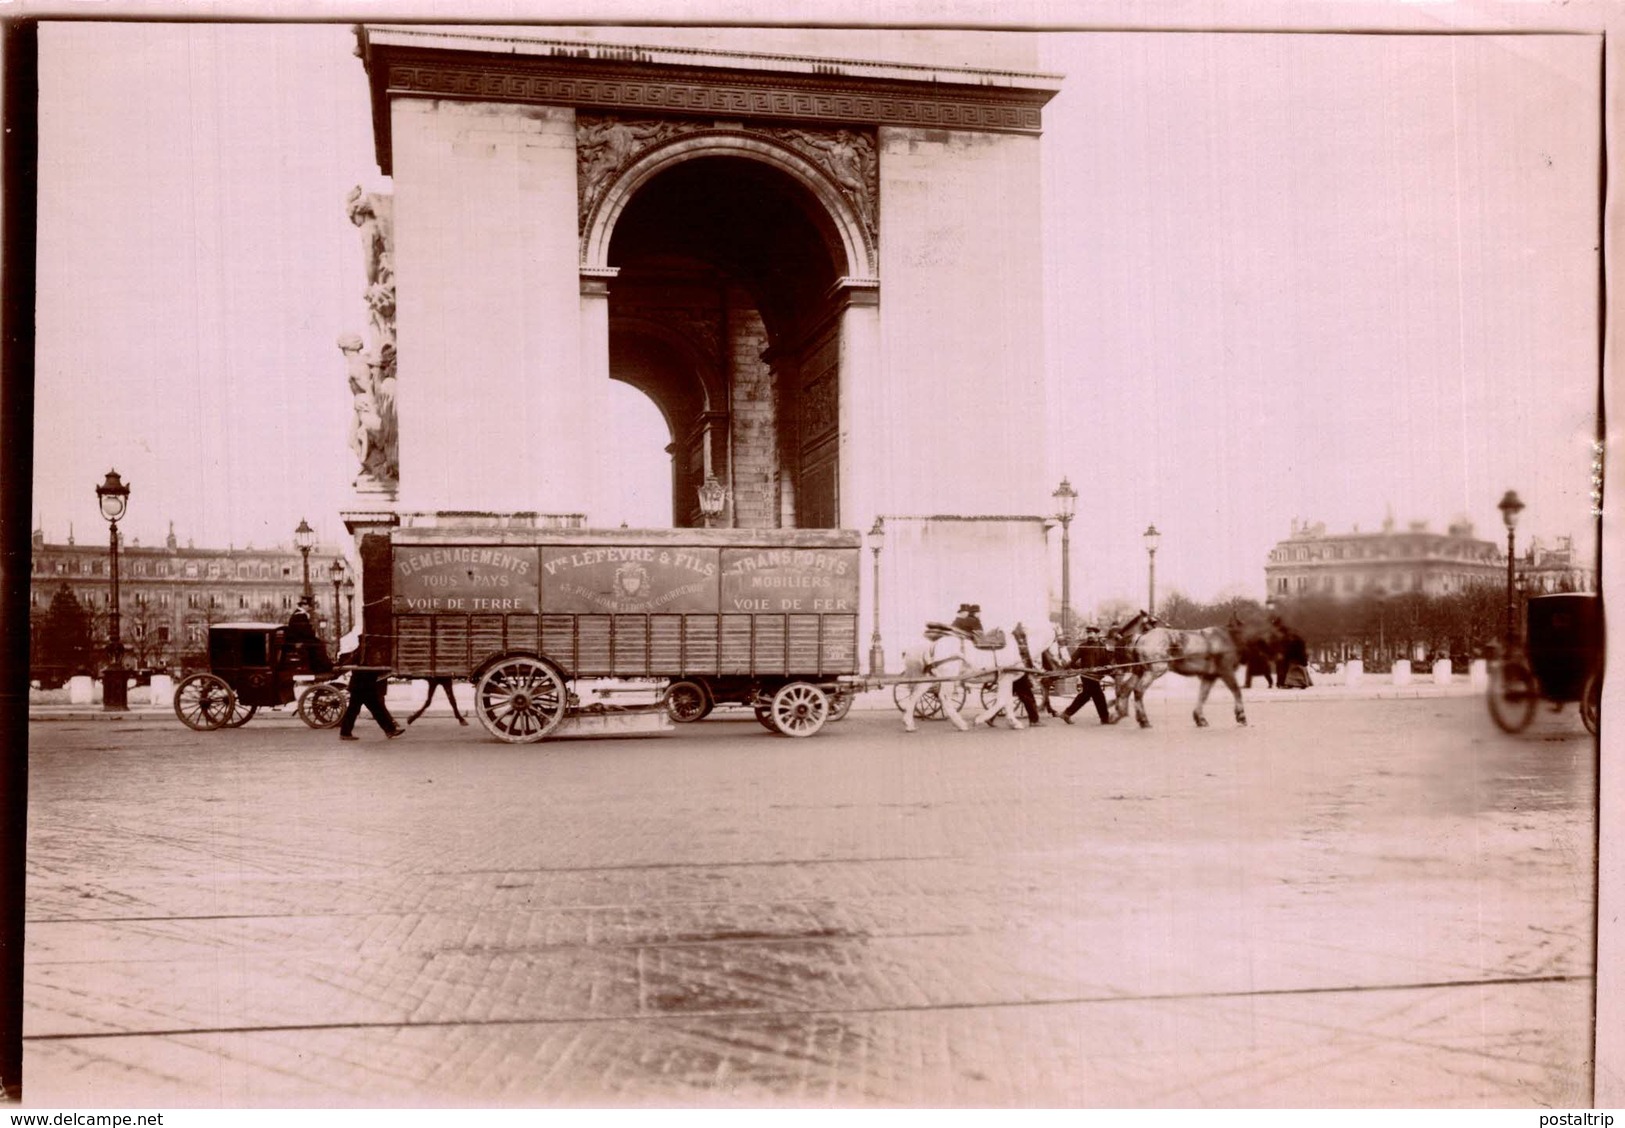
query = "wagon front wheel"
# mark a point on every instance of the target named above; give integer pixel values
(322, 706)
(799, 709)
(204, 702)
(241, 714)
(1513, 696)
(520, 700)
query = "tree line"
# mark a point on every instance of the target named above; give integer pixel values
(1377, 627)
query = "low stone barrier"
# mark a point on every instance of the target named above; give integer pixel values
(1441, 672)
(1402, 672)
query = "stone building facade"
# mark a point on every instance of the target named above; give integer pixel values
(170, 593)
(1313, 562)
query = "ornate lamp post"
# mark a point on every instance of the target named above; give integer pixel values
(349, 602)
(1511, 505)
(336, 570)
(1152, 540)
(1066, 504)
(304, 538)
(713, 496)
(114, 497)
(877, 655)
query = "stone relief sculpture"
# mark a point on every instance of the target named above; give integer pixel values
(370, 363)
(606, 144)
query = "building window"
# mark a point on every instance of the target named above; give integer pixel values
(193, 600)
(242, 602)
(191, 570)
(287, 571)
(287, 602)
(61, 568)
(163, 599)
(214, 569)
(163, 634)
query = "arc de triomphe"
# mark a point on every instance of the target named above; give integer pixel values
(825, 271)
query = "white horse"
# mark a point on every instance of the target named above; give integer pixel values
(956, 657)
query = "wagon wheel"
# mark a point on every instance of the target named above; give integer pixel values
(521, 699)
(1591, 704)
(840, 704)
(687, 702)
(990, 693)
(204, 702)
(1513, 695)
(928, 707)
(764, 716)
(799, 709)
(241, 714)
(322, 706)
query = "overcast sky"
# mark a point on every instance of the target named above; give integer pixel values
(1312, 276)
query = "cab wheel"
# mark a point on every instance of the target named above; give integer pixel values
(322, 706)
(1591, 704)
(204, 702)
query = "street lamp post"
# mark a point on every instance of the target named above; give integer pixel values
(304, 537)
(1152, 540)
(1066, 504)
(1510, 506)
(877, 655)
(349, 602)
(713, 496)
(114, 497)
(336, 570)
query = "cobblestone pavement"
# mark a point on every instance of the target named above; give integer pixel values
(1350, 902)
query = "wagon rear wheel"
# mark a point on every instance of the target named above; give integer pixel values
(241, 714)
(1513, 695)
(520, 700)
(799, 709)
(204, 702)
(322, 706)
(1591, 704)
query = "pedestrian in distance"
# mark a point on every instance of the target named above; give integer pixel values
(367, 682)
(434, 684)
(1090, 660)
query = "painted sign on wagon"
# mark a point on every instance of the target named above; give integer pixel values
(790, 580)
(628, 579)
(474, 579)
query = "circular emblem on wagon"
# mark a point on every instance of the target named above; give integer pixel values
(631, 579)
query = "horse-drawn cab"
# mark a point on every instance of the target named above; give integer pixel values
(251, 666)
(1561, 661)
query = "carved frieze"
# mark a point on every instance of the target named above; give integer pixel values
(607, 144)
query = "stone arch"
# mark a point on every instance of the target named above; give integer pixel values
(842, 227)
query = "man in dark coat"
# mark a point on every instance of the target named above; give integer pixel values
(367, 683)
(1089, 659)
(1023, 686)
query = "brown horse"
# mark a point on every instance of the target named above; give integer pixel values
(1210, 654)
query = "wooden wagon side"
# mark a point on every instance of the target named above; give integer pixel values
(523, 612)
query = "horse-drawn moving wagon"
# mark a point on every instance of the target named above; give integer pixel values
(1560, 661)
(768, 618)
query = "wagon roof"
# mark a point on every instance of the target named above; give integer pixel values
(246, 626)
(699, 538)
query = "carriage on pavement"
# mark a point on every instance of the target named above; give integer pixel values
(767, 618)
(253, 666)
(1560, 660)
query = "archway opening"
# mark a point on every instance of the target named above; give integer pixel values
(723, 313)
